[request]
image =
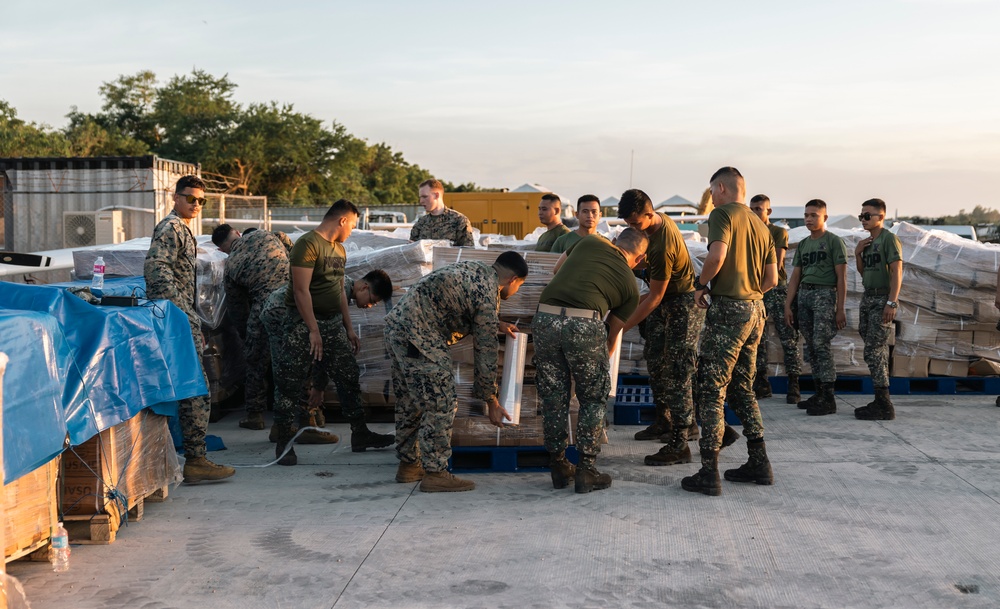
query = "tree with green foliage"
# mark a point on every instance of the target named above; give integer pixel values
(19, 138)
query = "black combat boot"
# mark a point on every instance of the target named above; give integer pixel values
(363, 438)
(284, 439)
(587, 478)
(762, 385)
(806, 403)
(659, 428)
(757, 469)
(879, 410)
(562, 470)
(793, 395)
(706, 481)
(826, 404)
(674, 451)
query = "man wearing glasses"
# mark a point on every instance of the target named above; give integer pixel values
(588, 212)
(879, 259)
(170, 274)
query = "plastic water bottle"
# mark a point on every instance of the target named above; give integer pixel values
(59, 550)
(97, 283)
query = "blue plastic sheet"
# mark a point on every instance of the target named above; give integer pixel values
(34, 422)
(124, 359)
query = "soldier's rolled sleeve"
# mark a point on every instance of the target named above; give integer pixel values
(284, 240)
(158, 269)
(466, 239)
(487, 324)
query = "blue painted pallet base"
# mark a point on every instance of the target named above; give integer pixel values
(643, 414)
(485, 459)
(944, 385)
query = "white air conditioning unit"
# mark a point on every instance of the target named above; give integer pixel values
(84, 228)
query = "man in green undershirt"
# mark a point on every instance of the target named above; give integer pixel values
(588, 213)
(549, 214)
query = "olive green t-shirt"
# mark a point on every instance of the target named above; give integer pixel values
(594, 276)
(818, 259)
(564, 242)
(751, 248)
(549, 237)
(876, 258)
(780, 236)
(327, 260)
(668, 259)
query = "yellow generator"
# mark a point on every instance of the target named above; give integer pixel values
(498, 213)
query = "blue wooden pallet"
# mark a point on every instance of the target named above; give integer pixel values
(930, 385)
(634, 406)
(485, 459)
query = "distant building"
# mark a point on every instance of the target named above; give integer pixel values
(677, 206)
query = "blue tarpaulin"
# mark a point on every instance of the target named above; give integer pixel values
(122, 359)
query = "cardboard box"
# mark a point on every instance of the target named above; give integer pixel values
(906, 366)
(984, 367)
(948, 367)
(30, 511)
(954, 338)
(949, 304)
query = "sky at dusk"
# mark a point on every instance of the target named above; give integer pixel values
(840, 101)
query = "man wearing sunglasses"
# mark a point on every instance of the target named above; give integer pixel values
(880, 261)
(170, 274)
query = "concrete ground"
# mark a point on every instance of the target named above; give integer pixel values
(889, 514)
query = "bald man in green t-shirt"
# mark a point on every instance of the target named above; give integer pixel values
(740, 267)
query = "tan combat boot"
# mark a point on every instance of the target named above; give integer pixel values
(200, 469)
(314, 436)
(254, 420)
(444, 482)
(409, 472)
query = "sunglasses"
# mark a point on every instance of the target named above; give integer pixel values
(193, 200)
(868, 216)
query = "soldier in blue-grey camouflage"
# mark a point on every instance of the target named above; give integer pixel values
(440, 222)
(774, 306)
(257, 265)
(170, 271)
(819, 279)
(316, 331)
(672, 327)
(879, 259)
(573, 345)
(450, 303)
(740, 268)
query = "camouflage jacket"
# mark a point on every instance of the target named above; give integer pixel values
(450, 225)
(257, 265)
(448, 304)
(171, 263)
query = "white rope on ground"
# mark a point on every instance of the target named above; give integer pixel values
(289, 447)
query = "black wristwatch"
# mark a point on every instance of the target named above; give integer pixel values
(699, 286)
(891, 303)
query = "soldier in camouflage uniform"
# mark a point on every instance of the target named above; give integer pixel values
(440, 222)
(820, 282)
(439, 310)
(673, 326)
(257, 265)
(170, 274)
(879, 259)
(774, 305)
(740, 267)
(316, 331)
(572, 344)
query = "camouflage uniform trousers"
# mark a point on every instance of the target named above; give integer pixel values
(257, 351)
(572, 349)
(817, 318)
(671, 352)
(193, 413)
(426, 403)
(728, 359)
(292, 365)
(876, 337)
(774, 306)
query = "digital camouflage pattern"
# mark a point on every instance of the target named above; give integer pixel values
(571, 349)
(450, 225)
(817, 317)
(257, 266)
(170, 274)
(774, 307)
(876, 337)
(728, 354)
(443, 307)
(293, 367)
(671, 352)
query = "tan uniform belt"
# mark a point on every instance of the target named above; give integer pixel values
(568, 312)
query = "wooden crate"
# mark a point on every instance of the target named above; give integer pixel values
(134, 460)
(30, 512)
